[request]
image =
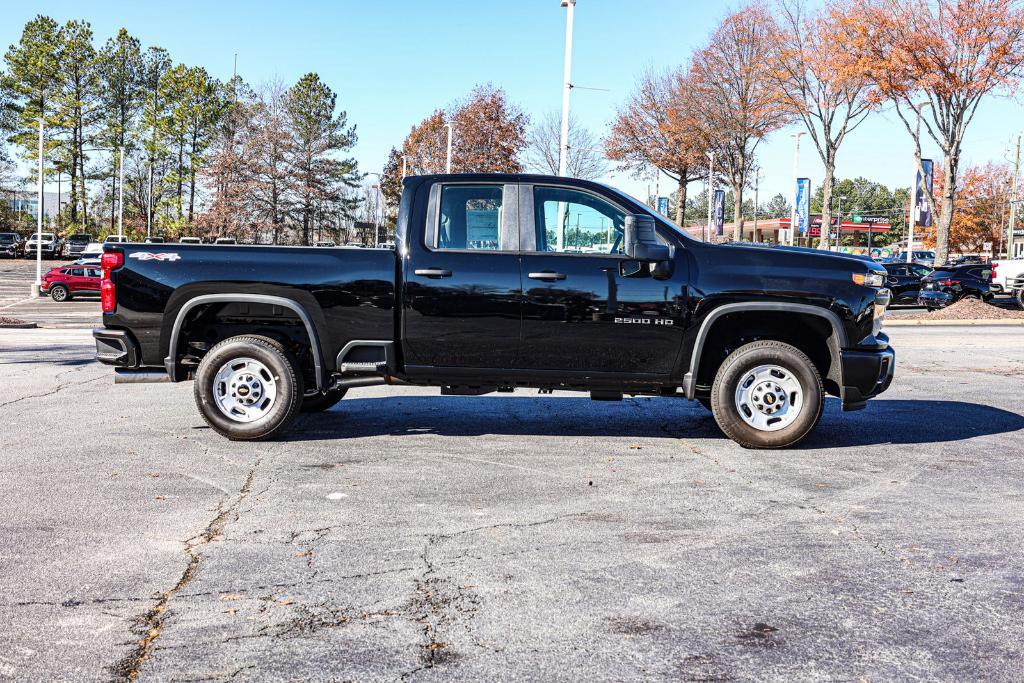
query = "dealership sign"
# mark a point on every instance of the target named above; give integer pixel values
(719, 212)
(803, 204)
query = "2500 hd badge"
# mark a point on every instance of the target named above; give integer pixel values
(482, 294)
(644, 321)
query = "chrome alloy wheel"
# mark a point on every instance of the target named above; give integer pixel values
(769, 398)
(245, 390)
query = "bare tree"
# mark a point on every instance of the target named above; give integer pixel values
(946, 55)
(740, 102)
(657, 128)
(586, 158)
(813, 69)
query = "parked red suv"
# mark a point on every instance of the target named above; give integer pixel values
(63, 282)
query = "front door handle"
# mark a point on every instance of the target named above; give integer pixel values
(547, 275)
(433, 272)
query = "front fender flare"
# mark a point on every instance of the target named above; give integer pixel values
(838, 333)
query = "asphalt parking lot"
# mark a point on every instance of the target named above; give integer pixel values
(405, 535)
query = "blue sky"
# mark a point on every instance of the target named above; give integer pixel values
(393, 62)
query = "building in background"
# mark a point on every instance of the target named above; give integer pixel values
(27, 202)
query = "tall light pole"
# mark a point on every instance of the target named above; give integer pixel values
(796, 174)
(711, 191)
(120, 198)
(448, 157)
(1012, 225)
(563, 144)
(757, 185)
(39, 219)
(378, 210)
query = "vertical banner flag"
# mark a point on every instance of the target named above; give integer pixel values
(719, 212)
(803, 204)
(924, 214)
(663, 206)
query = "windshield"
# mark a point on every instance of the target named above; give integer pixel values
(46, 237)
(7, 239)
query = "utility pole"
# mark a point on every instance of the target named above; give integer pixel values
(448, 158)
(563, 145)
(1013, 204)
(796, 190)
(39, 219)
(711, 192)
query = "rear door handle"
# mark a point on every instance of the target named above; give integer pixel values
(547, 275)
(433, 272)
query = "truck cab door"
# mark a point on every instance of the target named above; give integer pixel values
(462, 300)
(586, 307)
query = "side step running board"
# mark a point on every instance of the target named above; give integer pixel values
(364, 367)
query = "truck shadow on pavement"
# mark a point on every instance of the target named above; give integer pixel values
(882, 422)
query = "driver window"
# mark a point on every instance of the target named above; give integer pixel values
(575, 222)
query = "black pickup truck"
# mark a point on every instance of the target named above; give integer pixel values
(500, 282)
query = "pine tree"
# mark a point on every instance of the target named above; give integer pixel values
(31, 80)
(318, 136)
(75, 108)
(120, 71)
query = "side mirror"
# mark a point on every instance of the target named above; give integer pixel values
(640, 239)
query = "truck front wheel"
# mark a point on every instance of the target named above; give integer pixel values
(767, 394)
(248, 388)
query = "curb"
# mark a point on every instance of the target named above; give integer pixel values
(19, 326)
(956, 323)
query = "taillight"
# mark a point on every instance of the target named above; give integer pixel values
(111, 260)
(995, 266)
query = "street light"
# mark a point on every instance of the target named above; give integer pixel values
(39, 220)
(839, 222)
(711, 189)
(796, 175)
(448, 158)
(378, 209)
(563, 144)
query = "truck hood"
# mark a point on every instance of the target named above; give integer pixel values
(779, 271)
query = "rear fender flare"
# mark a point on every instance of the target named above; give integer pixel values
(837, 341)
(171, 361)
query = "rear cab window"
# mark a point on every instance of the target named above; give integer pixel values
(470, 218)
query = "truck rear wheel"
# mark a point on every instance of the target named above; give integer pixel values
(248, 388)
(316, 403)
(767, 394)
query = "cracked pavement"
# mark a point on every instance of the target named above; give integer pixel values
(408, 536)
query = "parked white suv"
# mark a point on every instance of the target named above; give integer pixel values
(1004, 272)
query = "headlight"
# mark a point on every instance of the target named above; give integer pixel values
(871, 279)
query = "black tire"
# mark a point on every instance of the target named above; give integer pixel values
(316, 403)
(287, 382)
(1019, 296)
(734, 370)
(59, 293)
